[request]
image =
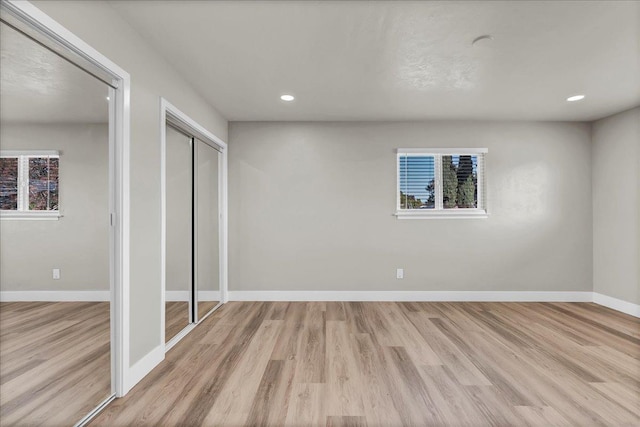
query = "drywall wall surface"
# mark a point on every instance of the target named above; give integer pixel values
(98, 24)
(616, 206)
(77, 243)
(311, 208)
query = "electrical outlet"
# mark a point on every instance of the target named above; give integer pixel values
(56, 274)
(400, 273)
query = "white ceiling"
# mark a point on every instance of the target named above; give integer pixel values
(357, 60)
(37, 86)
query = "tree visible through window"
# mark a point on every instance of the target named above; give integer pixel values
(460, 182)
(29, 182)
(437, 180)
(9, 183)
(43, 183)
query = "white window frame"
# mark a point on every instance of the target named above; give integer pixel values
(439, 211)
(23, 211)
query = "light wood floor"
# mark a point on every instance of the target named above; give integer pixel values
(176, 318)
(54, 361)
(204, 307)
(177, 315)
(395, 364)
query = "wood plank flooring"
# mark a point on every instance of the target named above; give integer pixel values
(177, 315)
(204, 307)
(395, 364)
(176, 318)
(54, 361)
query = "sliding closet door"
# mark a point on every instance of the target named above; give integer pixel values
(179, 245)
(56, 243)
(207, 230)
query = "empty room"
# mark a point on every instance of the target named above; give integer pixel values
(319, 213)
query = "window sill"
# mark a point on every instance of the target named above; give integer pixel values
(457, 214)
(13, 215)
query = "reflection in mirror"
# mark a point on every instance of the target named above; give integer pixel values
(55, 355)
(208, 239)
(178, 232)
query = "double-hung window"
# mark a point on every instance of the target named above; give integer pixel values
(29, 184)
(441, 183)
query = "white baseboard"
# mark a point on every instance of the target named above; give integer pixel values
(54, 296)
(617, 304)
(486, 296)
(184, 295)
(409, 296)
(143, 366)
(176, 296)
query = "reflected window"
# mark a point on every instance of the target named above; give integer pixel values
(29, 182)
(8, 183)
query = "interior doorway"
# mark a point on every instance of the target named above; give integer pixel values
(194, 223)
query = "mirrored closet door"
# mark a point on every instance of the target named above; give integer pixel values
(208, 225)
(192, 264)
(179, 231)
(56, 256)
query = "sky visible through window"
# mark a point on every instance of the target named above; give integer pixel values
(416, 175)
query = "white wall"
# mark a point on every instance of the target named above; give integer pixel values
(98, 24)
(77, 243)
(311, 208)
(616, 206)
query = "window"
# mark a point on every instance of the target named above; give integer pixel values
(29, 184)
(441, 183)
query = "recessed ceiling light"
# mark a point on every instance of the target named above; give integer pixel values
(108, 99)
(287, 98)
(575, 98)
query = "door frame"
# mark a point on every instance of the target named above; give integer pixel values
(119, 184)
(171, 114)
